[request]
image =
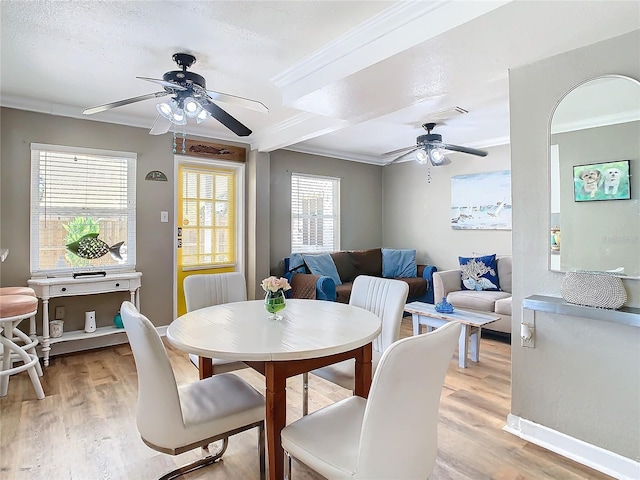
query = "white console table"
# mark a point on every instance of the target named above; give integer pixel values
(47, 288)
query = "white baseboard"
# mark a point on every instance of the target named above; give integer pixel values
(582, 452)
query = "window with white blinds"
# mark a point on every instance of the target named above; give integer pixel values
(315, 213)
(83, 205)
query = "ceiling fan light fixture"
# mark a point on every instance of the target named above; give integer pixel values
(202, 115)
(179, 117)
(191, 107)
(421, 156)
(167, 108)
(437, 158)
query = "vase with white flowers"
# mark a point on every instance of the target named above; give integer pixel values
(274, 300)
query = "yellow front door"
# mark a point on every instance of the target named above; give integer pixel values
(206, 222)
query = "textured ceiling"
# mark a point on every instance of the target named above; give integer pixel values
(349, 79)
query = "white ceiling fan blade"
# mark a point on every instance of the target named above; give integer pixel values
(160, 126)
(394, 153)
(244, 102)
(410, 155)
(164, 83)
(121, 103)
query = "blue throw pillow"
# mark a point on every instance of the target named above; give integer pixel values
(296, 264)
(479, 273)
(399, 263)
(322, 265)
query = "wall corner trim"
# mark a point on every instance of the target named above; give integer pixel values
(595, 457)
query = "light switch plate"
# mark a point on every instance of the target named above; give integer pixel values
(164, 217)
(59, 313)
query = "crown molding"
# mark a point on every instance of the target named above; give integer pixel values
(601, 121)
(401, 26)
(384, 160)
(377, 26)
(298, 128)
(57, 109)
(489, 142)
(353, 157)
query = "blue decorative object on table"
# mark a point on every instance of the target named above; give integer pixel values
(444, 306)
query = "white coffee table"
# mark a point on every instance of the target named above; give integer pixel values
(472, 323)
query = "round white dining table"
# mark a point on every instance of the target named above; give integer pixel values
(311, 334)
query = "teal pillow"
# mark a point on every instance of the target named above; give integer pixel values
(322, 264)
(398, 263)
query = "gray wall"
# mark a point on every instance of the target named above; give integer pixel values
(417, 215)
(588, 227)
(154, 239)
(258, 218)
(583, 376)
(360, 201)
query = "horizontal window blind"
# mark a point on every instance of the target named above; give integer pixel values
(315, 213)
(75, 192)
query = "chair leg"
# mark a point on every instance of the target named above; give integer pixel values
(200, 463)
(29, 345)
(6, 364)
(29, 361)
(305, 393)
(287, 466)
(261, 453)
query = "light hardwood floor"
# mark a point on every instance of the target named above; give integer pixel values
(85, 427)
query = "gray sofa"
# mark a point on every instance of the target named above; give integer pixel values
(447, 284)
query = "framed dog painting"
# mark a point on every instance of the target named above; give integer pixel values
(601, 181)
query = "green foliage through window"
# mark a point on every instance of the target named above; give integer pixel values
(76, 229)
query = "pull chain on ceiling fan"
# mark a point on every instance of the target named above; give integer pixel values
(430, 148)
(190, 99)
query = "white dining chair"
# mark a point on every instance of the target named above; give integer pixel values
(174, 419)
(391, 435)
(386, 298)
(205, 290)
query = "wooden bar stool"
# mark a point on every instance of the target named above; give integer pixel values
(14, 309)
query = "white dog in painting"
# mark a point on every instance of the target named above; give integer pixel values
(612, 177)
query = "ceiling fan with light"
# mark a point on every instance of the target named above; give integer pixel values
(430, 148)
(189, 99)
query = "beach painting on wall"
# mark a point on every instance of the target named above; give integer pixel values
(481, 201)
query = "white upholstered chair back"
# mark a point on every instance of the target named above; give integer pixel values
(399, 430)
(205, 290)
(386, 298)
(158, 411)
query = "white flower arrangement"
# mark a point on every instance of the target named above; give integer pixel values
(274, 284)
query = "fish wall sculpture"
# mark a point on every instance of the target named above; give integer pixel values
(91, 247)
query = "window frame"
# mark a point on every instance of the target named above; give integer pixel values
(37, 212)
(335, 217)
